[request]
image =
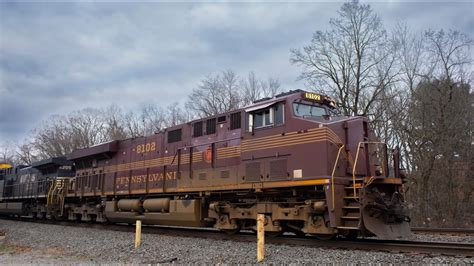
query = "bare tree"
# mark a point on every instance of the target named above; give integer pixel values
(86, 127)
(390, 114)
(60, 135)
(26, 153)
(431, 122)
(206, 100)
(441, 132)
(412, 56)
(441, 136)
(216, 94)
(226, 91)
(251, 88)
(154, 118)
(352, 61)
(114, 123)
(52, 138)
(254, 88)
(174, 115)
(450, 54)
(271, 87)
(7, 152)
(133, 124)
(231, 96)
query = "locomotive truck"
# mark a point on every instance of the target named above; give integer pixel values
(292, 157)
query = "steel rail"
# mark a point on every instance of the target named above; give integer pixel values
(402, 246)
(443, 231)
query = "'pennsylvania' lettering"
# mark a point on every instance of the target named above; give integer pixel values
(142, 178)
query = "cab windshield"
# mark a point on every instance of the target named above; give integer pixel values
(307, 110)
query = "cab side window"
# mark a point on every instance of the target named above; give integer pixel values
(211, 126)
(174, 135)
(263, 118)
(197, 129)
(271, 116)
(235, 121)
(279, 114)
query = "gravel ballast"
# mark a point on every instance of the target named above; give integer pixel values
(27, 242)
(442, 238)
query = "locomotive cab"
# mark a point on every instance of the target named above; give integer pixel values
(271, 112)
(302, 137)
(315, 107)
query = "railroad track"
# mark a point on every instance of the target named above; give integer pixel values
(402, 246)
(416, 247)
(444, 231)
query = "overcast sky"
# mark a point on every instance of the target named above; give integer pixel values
(60, 57)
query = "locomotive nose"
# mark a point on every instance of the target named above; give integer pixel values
(385, 214)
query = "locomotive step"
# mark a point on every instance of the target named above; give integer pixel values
(350, 207)
(351, 197)
(350, 217)
(347, 228)
(352, 188)
(358, 186)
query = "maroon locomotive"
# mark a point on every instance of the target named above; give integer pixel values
(293, 158)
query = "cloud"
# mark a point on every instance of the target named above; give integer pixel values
(60, 57)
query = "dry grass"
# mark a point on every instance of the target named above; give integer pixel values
(20, 249)
(12, 249)
(52, 251)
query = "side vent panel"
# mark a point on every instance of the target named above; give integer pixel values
(225, 174)
(278, 170)
(202, 176)
(252, 172)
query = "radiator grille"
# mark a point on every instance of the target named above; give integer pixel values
(252, 171)
(278, 169)
(225, 174)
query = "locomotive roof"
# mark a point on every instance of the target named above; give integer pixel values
(56, 161)
(256, 105)
(104, 149)
(99, 149)
(265, 102)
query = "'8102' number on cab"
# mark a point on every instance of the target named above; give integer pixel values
(148, 147)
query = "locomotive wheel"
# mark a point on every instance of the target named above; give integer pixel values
(274, 234)
(231, 231)
(298, 233)
(295, 230)
(325, 237)
(351, 235)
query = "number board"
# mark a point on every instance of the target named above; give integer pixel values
(312, 96)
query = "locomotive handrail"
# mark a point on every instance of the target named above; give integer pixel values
(332, 176)
(355, 163)
(175, 154)
(21, 189)
(51, 187)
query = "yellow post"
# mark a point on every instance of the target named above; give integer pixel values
(260, 237)
(138, 233)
